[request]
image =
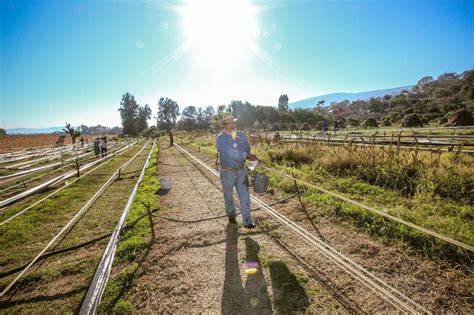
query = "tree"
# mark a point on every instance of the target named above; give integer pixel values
(221, 109)
(74, 133)
(141, 121)
(245, 112)
(3, 132)
(189, 118)
(128, 112)
(320, 103)
(424, 81)
(168, 111)
(283, 103)
(208, 113)
(266, 115)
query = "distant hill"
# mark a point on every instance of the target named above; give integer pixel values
(29, 131)
(338, 97)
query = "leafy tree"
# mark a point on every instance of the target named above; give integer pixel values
(245, 113)
(266, 115)
(168, 111)
(3, 132)
(189, 118)
(424, 81)
(320, 103)
(221, 109)
(141, 121)
(283, 103)
(128, 112)
(73, 132)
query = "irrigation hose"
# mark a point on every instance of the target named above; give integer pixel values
(381, 213)
(385, 291)
(72, 222)
(61, 188)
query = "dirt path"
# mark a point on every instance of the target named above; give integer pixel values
(200, 267)
(438, 286)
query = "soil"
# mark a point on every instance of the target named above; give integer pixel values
(200, 266)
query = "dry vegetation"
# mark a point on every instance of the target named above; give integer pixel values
(431, 189)
(17, 142)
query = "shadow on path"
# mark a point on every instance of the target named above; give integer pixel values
(252, 298)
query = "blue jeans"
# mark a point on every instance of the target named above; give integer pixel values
(240, 181)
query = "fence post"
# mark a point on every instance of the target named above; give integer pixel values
(77, 167)
(152, 225)
(298, 191)
(119, 172)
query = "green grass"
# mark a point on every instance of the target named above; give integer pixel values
(61, 281)
(424, 206)
(133, 247)
(38, 225)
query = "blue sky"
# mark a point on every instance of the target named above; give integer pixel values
(72, 60)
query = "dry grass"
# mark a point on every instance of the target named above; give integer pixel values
(433, 190)
(18, 142)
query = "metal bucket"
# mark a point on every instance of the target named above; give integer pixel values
(165, 183)
(260, 183)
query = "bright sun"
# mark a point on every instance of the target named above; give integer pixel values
(221, 33)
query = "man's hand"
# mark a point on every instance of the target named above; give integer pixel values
(251, 157)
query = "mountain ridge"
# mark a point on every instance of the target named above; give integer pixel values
(338, 97)
(26, 131)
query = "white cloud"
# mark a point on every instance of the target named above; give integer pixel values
(277, 46)
(139, 44)
(266, 34)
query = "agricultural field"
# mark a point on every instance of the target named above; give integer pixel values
(328, 222)
(431, 188)
(236, 157)
(52, 239)
(19, 142)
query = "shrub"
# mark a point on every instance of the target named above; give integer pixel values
(370, 123)
(462, 117)
(294, 155)
(386, 122)
(411, 120)
(354, 122)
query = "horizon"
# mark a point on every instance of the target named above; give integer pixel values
(74, 61)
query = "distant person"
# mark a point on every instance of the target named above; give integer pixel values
(103, 146)
(170, 134)
(325, 127)
(82, 141)
(97, 146)
(335, 127)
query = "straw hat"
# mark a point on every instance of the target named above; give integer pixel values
(227, 119)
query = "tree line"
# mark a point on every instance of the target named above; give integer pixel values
(430, 99)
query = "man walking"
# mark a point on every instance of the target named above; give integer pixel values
(234, 149)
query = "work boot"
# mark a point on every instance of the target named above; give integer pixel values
(232, 220)
(250, 226)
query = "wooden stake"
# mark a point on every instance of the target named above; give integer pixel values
(298, 191)
(77, 167)
(152, 225)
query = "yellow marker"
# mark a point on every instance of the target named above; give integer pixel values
(251, 271)
(234, 134)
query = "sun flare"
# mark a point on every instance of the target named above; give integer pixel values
(220, 34)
